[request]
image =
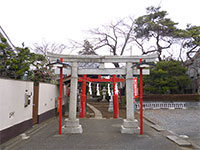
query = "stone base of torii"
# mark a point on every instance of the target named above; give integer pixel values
(72, 126)
(129, 125)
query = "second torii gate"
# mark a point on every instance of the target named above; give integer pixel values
(129, 125)
(85, 79)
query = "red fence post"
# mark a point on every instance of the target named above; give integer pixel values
(60, 109)
(83, 97)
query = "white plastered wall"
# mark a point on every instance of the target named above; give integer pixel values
(12, 99)
(47, 96)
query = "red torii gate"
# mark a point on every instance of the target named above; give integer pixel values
(86, 79)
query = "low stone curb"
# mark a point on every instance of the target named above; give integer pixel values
(157, 127)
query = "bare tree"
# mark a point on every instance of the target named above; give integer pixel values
(115, 36)
(45, 47)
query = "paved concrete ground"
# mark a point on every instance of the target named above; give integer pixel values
(102, 134)
(179, 121)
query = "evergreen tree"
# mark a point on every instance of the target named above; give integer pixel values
(154, 32)
(167, 77)
(23, 64)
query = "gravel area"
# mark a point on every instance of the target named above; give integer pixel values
(180, 121)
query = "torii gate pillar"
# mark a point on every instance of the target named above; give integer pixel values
(72, 124)
(129, 124)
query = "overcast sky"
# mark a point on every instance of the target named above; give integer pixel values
(34, 21)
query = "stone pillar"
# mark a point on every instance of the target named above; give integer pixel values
(72, 124)
(67, 100)
(130, 125)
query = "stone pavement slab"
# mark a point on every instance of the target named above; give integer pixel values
(98, 134)
(178, 140)
(97, 113)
